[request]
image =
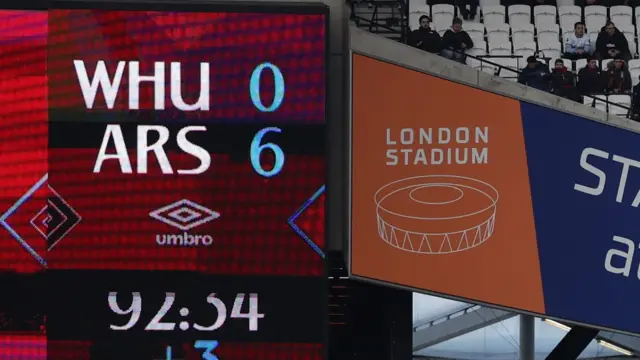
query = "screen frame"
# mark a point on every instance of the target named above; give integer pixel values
(240, 7)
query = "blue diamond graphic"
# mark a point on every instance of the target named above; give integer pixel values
(297, 229)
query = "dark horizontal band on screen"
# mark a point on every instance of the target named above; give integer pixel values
(134, 349)
(294, 307)
(219, 138)
(235, 6)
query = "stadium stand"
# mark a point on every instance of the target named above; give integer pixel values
(505, 36)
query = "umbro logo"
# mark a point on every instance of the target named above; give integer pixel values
(184, 215)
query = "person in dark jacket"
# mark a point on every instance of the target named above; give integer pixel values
(473, 8)
(617, 77)
(535, 74)
(425, 38)
(455, 42)
(611, 43)
(635, 103)
(590, 78)
(563, 82)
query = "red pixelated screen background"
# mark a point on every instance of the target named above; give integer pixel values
(23, 129)
(252, 236)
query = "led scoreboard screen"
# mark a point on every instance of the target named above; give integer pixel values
(179, 209)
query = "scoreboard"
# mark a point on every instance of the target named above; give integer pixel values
(165, 174)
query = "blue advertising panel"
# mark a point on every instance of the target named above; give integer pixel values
(585, 186)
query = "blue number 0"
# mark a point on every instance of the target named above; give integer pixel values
(208, 346)
(254, 87)
(257, 149)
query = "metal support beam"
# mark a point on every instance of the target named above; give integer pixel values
(457, 326)
(527, 337)
(573, 344)
(631, 343)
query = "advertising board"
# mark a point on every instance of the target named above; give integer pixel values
(465, 193)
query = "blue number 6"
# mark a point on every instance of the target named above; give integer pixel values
(257, 148)
(208, 346)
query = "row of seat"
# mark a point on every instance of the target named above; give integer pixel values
(595, 16)
(518, 63)
(527, 37)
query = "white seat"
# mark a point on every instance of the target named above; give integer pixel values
(633, 48)
(442, 15)
(595, 16)
(488, 68)
(548, 33)
(443, 9)
(621, 15)
(635, 76)
(418, 6)
(522, 33)
(623, 100)
(479, 49)
(442, 21)
(634, 64)
(484, 3)
(503, 48)
(627, 29)
(581, 63)
(544, 14)
(549, 49)
(414, 18)
(567, 63)
(475, 30)
(494, 14)
(498, 33)
(601, 105)
(524, 48)
(509, 69)
(479, 45)
(440, 30)
(605, 62)
(569, 15)
(637, 14)
(519, 14)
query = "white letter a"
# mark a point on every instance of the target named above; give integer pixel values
(626, 255)
(121, 150)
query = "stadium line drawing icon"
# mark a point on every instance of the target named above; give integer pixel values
(436, 214)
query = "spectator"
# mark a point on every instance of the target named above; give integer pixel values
(590, 78)
(455, 42)
(577, 45)
(617, 77)
(473, 8)
(535, 74)
(563, 82)
(612, 43)
(635, 103)
(425, 38)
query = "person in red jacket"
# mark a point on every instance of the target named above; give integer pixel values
(563, 82)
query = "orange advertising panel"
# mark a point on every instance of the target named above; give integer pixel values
(440, 190)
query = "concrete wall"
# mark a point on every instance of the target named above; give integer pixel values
(365, 43)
